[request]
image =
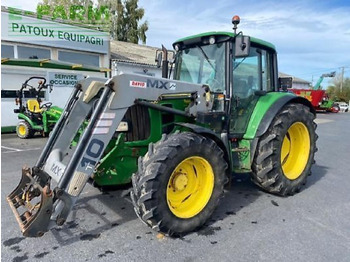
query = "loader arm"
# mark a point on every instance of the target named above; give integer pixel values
(48, 191)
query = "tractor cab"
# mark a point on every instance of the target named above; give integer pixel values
(237, 69)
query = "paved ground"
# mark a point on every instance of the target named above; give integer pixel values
(249, 225)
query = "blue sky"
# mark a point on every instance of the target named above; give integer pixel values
(312, 37)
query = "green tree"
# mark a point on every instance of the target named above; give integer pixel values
(125, 21)
(122, 19)
(337, 94)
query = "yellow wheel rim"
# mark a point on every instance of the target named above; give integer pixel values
(190, 187)
(22, 130)
(295, 150)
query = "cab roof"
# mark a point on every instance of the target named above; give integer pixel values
(195, 38)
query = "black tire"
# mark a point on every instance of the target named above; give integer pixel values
(268, 172)
(24, 130)
(157, 167)
(337, 108)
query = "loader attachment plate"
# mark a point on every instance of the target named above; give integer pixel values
(31, 204)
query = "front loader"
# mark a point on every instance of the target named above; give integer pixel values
(177, 140)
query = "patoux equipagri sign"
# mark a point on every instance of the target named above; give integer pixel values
(20, 28)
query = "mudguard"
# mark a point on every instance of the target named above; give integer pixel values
(276, 107)
(266, 109)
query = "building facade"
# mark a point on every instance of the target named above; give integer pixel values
(62, 53)
(27, 37)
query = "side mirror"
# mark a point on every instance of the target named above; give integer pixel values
(284, 83)
(242, 46)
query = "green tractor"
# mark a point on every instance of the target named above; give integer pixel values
(178, 140)
(34, 116)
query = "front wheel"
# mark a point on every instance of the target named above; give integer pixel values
(179, 183)
(285, 153)
(24, 130)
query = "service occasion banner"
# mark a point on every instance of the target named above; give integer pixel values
(63, 79)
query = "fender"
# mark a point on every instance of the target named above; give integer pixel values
(276, 107)
(212, 135)
(267, 108)
(32, 124)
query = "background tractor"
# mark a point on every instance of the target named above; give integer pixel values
(178, 140)
(318, 97)
(35, 116)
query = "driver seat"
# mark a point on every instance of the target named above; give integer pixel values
(33, 106)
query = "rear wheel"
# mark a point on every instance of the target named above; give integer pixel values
(335, 109)
(24, 130)
(179, 183)
(285, 153)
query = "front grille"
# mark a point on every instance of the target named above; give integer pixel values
(139, 123)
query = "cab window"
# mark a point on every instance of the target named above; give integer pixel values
(203, 65)
(246, 73)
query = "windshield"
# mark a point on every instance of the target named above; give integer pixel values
(202, 65)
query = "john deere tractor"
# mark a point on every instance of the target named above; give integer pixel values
(178, 140)
(35, 116)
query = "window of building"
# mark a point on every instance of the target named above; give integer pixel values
(26, 94)
(33, 52)
(79, 58)
(7, 51)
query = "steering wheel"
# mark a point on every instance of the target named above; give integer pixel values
(46, 105)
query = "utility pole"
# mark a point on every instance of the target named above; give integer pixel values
(342, 78)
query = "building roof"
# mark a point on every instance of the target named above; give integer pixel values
(134, 53)
(295, 79)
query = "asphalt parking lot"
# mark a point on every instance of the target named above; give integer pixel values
(249, 225)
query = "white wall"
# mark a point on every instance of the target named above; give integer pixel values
(12, 78)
